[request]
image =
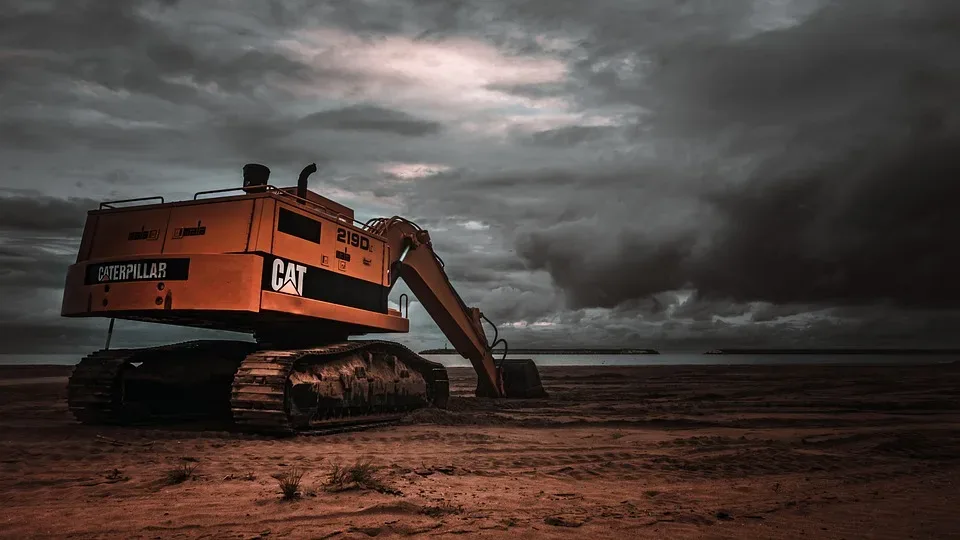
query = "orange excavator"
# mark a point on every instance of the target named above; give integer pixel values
(297, 272)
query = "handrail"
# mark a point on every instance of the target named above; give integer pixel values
(209, 191)
(107, 204)
(284, 193)
(267, 187)
(400, 303)
(308, 202)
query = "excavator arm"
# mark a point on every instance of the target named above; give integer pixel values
(414, 260)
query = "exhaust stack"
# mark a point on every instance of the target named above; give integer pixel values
(302, 180)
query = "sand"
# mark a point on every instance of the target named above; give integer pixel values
(641, 452)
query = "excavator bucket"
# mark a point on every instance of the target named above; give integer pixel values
(521, 379)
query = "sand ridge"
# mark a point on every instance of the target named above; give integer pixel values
(625, 452)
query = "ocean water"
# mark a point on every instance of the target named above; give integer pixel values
(604, 360)
(673, 359)
(40, 359)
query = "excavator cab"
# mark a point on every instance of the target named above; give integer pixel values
(296, 271)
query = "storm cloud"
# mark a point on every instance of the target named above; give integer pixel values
(834, 146)
(370, 118)
(657, 174)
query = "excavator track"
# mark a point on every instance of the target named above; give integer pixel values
(101, 383)
(261, 389)
(233, 381)
(93, 395)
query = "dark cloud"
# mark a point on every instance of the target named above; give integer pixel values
(886, 235)
(370, 118)
(143, 52)
(849, 122)
(35, 212)
(264, 138)
(570, 135)
(604, 268)
(27, 262)
(60, 134)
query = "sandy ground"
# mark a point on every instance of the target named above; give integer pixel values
(644, 452)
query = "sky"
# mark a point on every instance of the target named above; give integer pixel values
(643, 173)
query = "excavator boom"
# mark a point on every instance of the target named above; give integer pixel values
(414, 260)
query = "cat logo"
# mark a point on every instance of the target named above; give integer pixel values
(288, 277)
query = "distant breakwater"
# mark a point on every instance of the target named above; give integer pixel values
(837, 351)
(725, 351)
(513, 351)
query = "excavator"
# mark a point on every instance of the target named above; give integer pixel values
(294, 270)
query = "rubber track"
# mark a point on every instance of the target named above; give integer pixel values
(259, 387)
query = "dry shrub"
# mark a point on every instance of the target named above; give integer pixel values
(289, 482)
(361, 475)
(182, 472)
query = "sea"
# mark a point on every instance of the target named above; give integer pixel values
(663, 359)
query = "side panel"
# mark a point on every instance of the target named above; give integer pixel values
(220, 227)
(323, 259)
(130, 232)
(263, 241)
(376, 322)
(296, 279)
(216, 291)
(358, 255)
(325, 243)
(256, 220)
(200, 282)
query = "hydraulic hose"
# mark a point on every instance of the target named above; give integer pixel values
(496, 339)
